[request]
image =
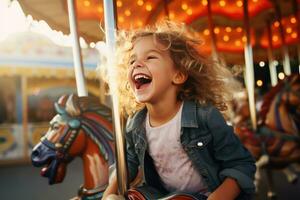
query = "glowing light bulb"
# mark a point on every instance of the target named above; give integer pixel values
(281, 75)
(127, 12)
(149, 7)
(237, 43)
(189, 11)
(119, 3)
(259, 83)
(86, 3)
(239, 3)
(276, 24)
(226, 38)
(228, 29)
(206, 32)
(140, 2)
(294, 35)
(261, 63)
(293, 20)
(204, 2)
(222, 3)
(216, 30)
(184, 6)
(275, 38)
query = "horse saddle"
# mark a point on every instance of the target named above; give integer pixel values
(150, 193)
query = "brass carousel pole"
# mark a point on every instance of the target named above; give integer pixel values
(272, 66)
(285, 53)
(296, 8)
(249, 72)
(77, 58)
(110, 31)
(24, 89)
(212, 33)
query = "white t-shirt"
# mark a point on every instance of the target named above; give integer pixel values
(171, 161)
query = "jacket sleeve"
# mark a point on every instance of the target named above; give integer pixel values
(236, 161)
(132, 158)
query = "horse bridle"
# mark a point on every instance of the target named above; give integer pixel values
(61, 147)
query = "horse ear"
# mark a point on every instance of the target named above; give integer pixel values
(72, 105)
(62, 100)
(59, 109)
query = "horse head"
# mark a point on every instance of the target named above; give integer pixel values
(81, 128)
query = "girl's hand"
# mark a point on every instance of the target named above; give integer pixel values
(228, 190)
(114, 197)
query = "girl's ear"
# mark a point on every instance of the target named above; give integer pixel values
(179, 78)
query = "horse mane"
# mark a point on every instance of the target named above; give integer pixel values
(89, 110)
(270, 96)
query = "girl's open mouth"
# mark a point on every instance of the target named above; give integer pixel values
(141, 80)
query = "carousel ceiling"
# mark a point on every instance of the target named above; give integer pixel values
(227, 18)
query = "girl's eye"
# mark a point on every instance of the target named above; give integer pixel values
(131, 62)
(151, 57)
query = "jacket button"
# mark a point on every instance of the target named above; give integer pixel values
(200, 144)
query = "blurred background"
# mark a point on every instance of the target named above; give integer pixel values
(36, 68)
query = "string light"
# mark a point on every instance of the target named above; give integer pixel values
(140, 2)
(216, 30)
(121, 19)
(294, 35)
(228, 29)
(259, 83)
(239, 29)
(148, 7)
(239, 3)
(206, 32)
(237, 43)
(222, 3)
(275, 38)
(92, 45)
(288, 29)
(119, 3)
(281, 75)
(244, 39)
(127, 12)
(189, 11)
(293, 20)
(226, 38)
(204, 2)
(86, 3)
(261, 63)
(276, 24)
(184, 6)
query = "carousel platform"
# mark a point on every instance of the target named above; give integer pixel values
(24, 182)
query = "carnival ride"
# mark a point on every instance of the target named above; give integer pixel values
(264, 30)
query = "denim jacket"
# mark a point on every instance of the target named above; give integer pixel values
(209, 142)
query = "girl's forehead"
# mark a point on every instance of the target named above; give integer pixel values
(146, 43)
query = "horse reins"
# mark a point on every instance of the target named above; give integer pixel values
(61, 148)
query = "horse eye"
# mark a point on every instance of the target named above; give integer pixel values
(55, 126)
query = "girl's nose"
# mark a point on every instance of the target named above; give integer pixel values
(138, 64)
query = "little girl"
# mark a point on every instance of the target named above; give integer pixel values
(176, 134)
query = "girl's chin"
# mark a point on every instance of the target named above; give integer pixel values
(142, 98)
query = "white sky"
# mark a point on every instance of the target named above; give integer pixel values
(13, 20)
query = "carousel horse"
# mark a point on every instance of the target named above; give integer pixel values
(82, 128)
(276, 142)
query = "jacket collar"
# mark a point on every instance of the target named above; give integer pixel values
(188, 117)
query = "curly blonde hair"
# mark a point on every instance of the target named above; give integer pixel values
(208, 81)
